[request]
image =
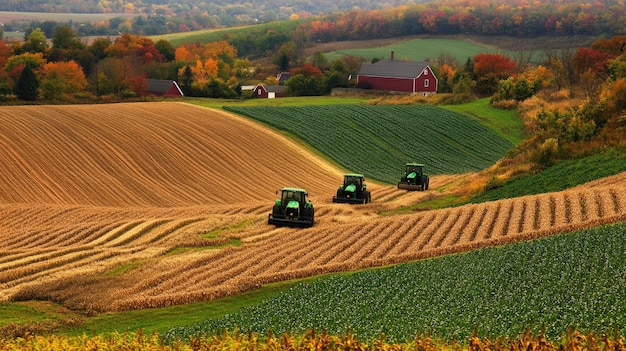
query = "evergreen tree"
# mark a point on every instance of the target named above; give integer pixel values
(26, 87)
(186, 80)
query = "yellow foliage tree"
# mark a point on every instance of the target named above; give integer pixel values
(219, 49)
(203, 71)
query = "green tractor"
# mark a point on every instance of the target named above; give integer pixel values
(414, 178)
(353, 190)
(292, 209)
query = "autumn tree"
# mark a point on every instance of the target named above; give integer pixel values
(138, 84)
(15, 64)
(444, 74)
(64, 37)
(128, 44)
(307, 70)
(166, 49)
(242, 69)
(61, 78)
(615, 46)
(489, 69)
(305, 81)
(99, 48)
(36, 42)
(114, 72)
(6, 51)
(561, 63)
(617, 98)
(595, 61)
(288, 55)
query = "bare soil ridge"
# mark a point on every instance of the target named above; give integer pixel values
(106, 208)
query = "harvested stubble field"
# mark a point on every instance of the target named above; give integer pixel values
(127, 206)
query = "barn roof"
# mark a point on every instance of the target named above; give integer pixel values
(162, 86)
(273, 88)
(394, 68)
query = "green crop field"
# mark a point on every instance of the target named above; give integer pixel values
(572, 280)
(378, 140)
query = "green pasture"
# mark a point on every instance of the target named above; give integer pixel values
(427, 49)
(506, 123)
(377, 140)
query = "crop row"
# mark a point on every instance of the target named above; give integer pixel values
(378, 140)
(334, 244)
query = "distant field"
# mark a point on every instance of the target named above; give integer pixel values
(10, 16)
(428, 49)
(27, 17)
(418, 50)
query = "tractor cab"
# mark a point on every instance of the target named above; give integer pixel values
(353, 180)
(292, 196)
(413, 170)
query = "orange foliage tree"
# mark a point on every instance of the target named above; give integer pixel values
(60, 78)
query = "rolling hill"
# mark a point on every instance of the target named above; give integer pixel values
(127, 206)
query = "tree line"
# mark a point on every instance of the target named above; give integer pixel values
(337, 21)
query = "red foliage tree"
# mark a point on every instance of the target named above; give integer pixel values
(589, 59)
(495, 65)
(307, 70)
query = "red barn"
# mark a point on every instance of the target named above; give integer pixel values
(161, 87)
(398, 75)
(269, 91)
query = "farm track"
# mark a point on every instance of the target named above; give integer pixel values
(119, 207)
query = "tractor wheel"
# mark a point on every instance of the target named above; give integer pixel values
(276, 210)
(368, 197)
(309, 214)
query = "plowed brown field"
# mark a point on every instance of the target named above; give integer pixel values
(107, 208)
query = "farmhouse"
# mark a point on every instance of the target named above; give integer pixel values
(269, 91)
(398, 75)
(161, 87)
